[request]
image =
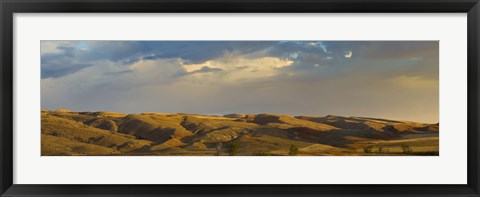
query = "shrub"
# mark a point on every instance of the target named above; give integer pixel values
(368, 149)
(234, 148)
(379, 149)
(293, 150)
(406, 149)
(218, 149)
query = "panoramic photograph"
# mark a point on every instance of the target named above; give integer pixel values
(239, 98)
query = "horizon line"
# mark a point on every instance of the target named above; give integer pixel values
(222, 115)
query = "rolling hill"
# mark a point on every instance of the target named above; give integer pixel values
(108, 133)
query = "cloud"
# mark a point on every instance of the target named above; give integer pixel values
(128, 52)
(48, 47)
(306, 44)
(206, 69)
(86, 53)
(234, 67)
(146, 72)
(61, 62)
(319, 45)
(294, 55)
(348, 54)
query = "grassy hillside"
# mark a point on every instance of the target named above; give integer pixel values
(108, 133)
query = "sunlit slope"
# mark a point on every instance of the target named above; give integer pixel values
(82, 133)
(153, 127)
(53, 145)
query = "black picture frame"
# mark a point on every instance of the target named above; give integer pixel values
(10, 7)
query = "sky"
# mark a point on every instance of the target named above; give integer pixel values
(383, 79)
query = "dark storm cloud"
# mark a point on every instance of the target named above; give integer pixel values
(125, 53)
(307, 54)
(60, 64)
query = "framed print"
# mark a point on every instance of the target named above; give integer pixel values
(263, 98)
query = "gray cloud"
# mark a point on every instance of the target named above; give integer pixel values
(206, 69)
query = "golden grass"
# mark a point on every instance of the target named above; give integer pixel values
(60, 146)
(79, 132)
(151, 133)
